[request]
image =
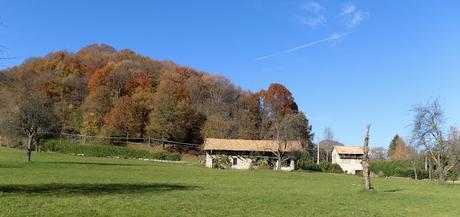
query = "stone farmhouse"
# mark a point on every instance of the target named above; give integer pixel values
(247, 154)
(348, 158)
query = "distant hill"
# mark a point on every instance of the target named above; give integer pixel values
(99, 90)
(329, 144)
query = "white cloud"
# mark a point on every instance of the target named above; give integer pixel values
(356, 19)
(313, 7)
(333, 37)
(312, 22)
(315, 15)
(348, 9)
(352, 16)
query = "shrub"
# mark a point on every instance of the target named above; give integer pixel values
(335, 168)
(173, 156)
(451, 175)
(421, 174)
(105, 151)
(264, 164)
(398, 168)
(330, 167)
(307, 163)
(324, 166)
(221, 162)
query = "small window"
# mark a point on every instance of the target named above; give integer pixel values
(235, 161)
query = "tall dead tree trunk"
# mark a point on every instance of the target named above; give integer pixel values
(366, 173)
(29, 147)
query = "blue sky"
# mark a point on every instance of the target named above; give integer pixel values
(347, 63)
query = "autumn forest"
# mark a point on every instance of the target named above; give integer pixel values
(101, 91)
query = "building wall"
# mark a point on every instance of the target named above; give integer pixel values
(208, 160)
(349, 166)
(291, 166)
(243, 162)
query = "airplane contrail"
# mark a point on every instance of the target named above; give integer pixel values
(330, 38)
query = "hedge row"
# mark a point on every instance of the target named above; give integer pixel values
(105, 151)
(397, 168)
(307, 163)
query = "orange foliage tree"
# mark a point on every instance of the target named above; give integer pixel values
(121, 93)
(397, 149)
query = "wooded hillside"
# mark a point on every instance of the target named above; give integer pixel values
(101, 91)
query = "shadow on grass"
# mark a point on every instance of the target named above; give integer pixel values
(91, 163)
(6, 166)
(92, 189)
(393, 190)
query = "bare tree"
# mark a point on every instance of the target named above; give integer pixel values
(30, 116)
(454, 146)
(293, 127)
(428, 133)
(415, 159)
(281, 151)
(378, 153)
(33, 117)
(366, 172)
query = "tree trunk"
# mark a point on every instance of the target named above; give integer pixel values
(366, 173)
(415, 172)
(441, 175)
(278, 165)
(37, 145)
(429, 171)
(366, 179)
(29, 148)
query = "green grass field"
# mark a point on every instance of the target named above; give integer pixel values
(63, 185)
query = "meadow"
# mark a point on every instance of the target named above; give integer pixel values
(65, 185)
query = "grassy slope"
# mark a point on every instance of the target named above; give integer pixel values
(63, 185)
